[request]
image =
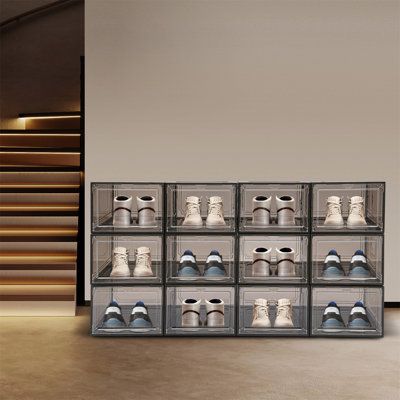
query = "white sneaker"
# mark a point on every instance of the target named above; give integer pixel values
(334, 217)
(284, 314)
(260, 314)
(215, 215)
(356, 216)
(215, 313)
(285, 209)
(192, 216)
(261, 210)
(146, 210)
(120, 265)
(191, 313)
(122, 211)
(285, 262)
(143, 262)
(261, 261)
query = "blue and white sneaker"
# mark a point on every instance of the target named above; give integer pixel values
(332, 318)
(332, 266)
(188, 266)
(358, 266)
(214, 266)
(358, 317)
(140, 317)
(113, 317)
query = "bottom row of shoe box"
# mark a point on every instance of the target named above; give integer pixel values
(263, 310)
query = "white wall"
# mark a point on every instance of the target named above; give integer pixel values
(246, 90)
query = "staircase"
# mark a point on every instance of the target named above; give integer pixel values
(40, 221)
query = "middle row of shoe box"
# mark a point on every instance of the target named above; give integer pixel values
(246, 259)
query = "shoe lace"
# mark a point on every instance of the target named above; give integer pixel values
(121, 259)
(192, 209)
(261, 312)
(215, 209)
(284, 311)
(357, 208)
(334, 209)
(143, 259)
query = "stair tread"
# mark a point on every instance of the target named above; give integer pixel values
(40, 209)
(37, 231)
(39, 131)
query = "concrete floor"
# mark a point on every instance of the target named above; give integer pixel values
(56, 358)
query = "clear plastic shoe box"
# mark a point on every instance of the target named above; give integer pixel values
(127, 207)
(103, 247)
(287, 259)
(200, 310)
(250, 326)
(369, 199)
(127, 297)
(177, 209)
(201, 247)
(346, 298)
(278, 207)
(346, 246)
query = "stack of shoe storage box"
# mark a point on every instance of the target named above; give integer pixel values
(247, 259)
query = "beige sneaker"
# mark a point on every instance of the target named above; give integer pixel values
(260, 314)
(143, 262)
(284, 314)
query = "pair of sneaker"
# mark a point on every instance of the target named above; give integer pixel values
(215, 317)
(284, 314)
(358, 318)
(122, 211)
(358, 266)
(262, 262)
(215, 212)
(334, 217)
(138, 319)
(285, 210)
(214, 267)
(120, 263)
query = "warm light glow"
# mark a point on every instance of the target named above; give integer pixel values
(51, 117)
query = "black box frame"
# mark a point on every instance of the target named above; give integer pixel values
(237, 233)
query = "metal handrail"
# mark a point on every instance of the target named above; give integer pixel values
(35, 11)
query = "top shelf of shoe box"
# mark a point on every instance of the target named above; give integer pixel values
(274, 207)
(127, 208)
(201, 207)
(348, 207)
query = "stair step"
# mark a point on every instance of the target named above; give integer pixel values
(32, 258)
(37, 276)
(35, 141)
(40, 131)
(8, 234)
(39, 159)
(38, 209)
(37, 292)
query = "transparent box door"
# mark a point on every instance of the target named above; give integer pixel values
(366, 252)
(274, 207)
(262, 312)
(146, 269)
(127, 207)
(348, 207)
(285, 260)
(127, 297)
(347, 298)
(201, 310)
(203, 249)
(215, 210)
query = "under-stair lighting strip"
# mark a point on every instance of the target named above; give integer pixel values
(72, 114)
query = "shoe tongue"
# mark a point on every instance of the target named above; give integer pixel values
(215, 199)
(113, 304)
(192, 199)
(214, 253)
(284, 302)
(261, 302)
(334, 199)
(359, 304)
(359, 253)
(356, 199)
(333, 304)
(139, 304)
(142, 250)
(332, 252)
(120, 250)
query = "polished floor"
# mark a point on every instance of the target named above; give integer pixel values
(56, 358)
